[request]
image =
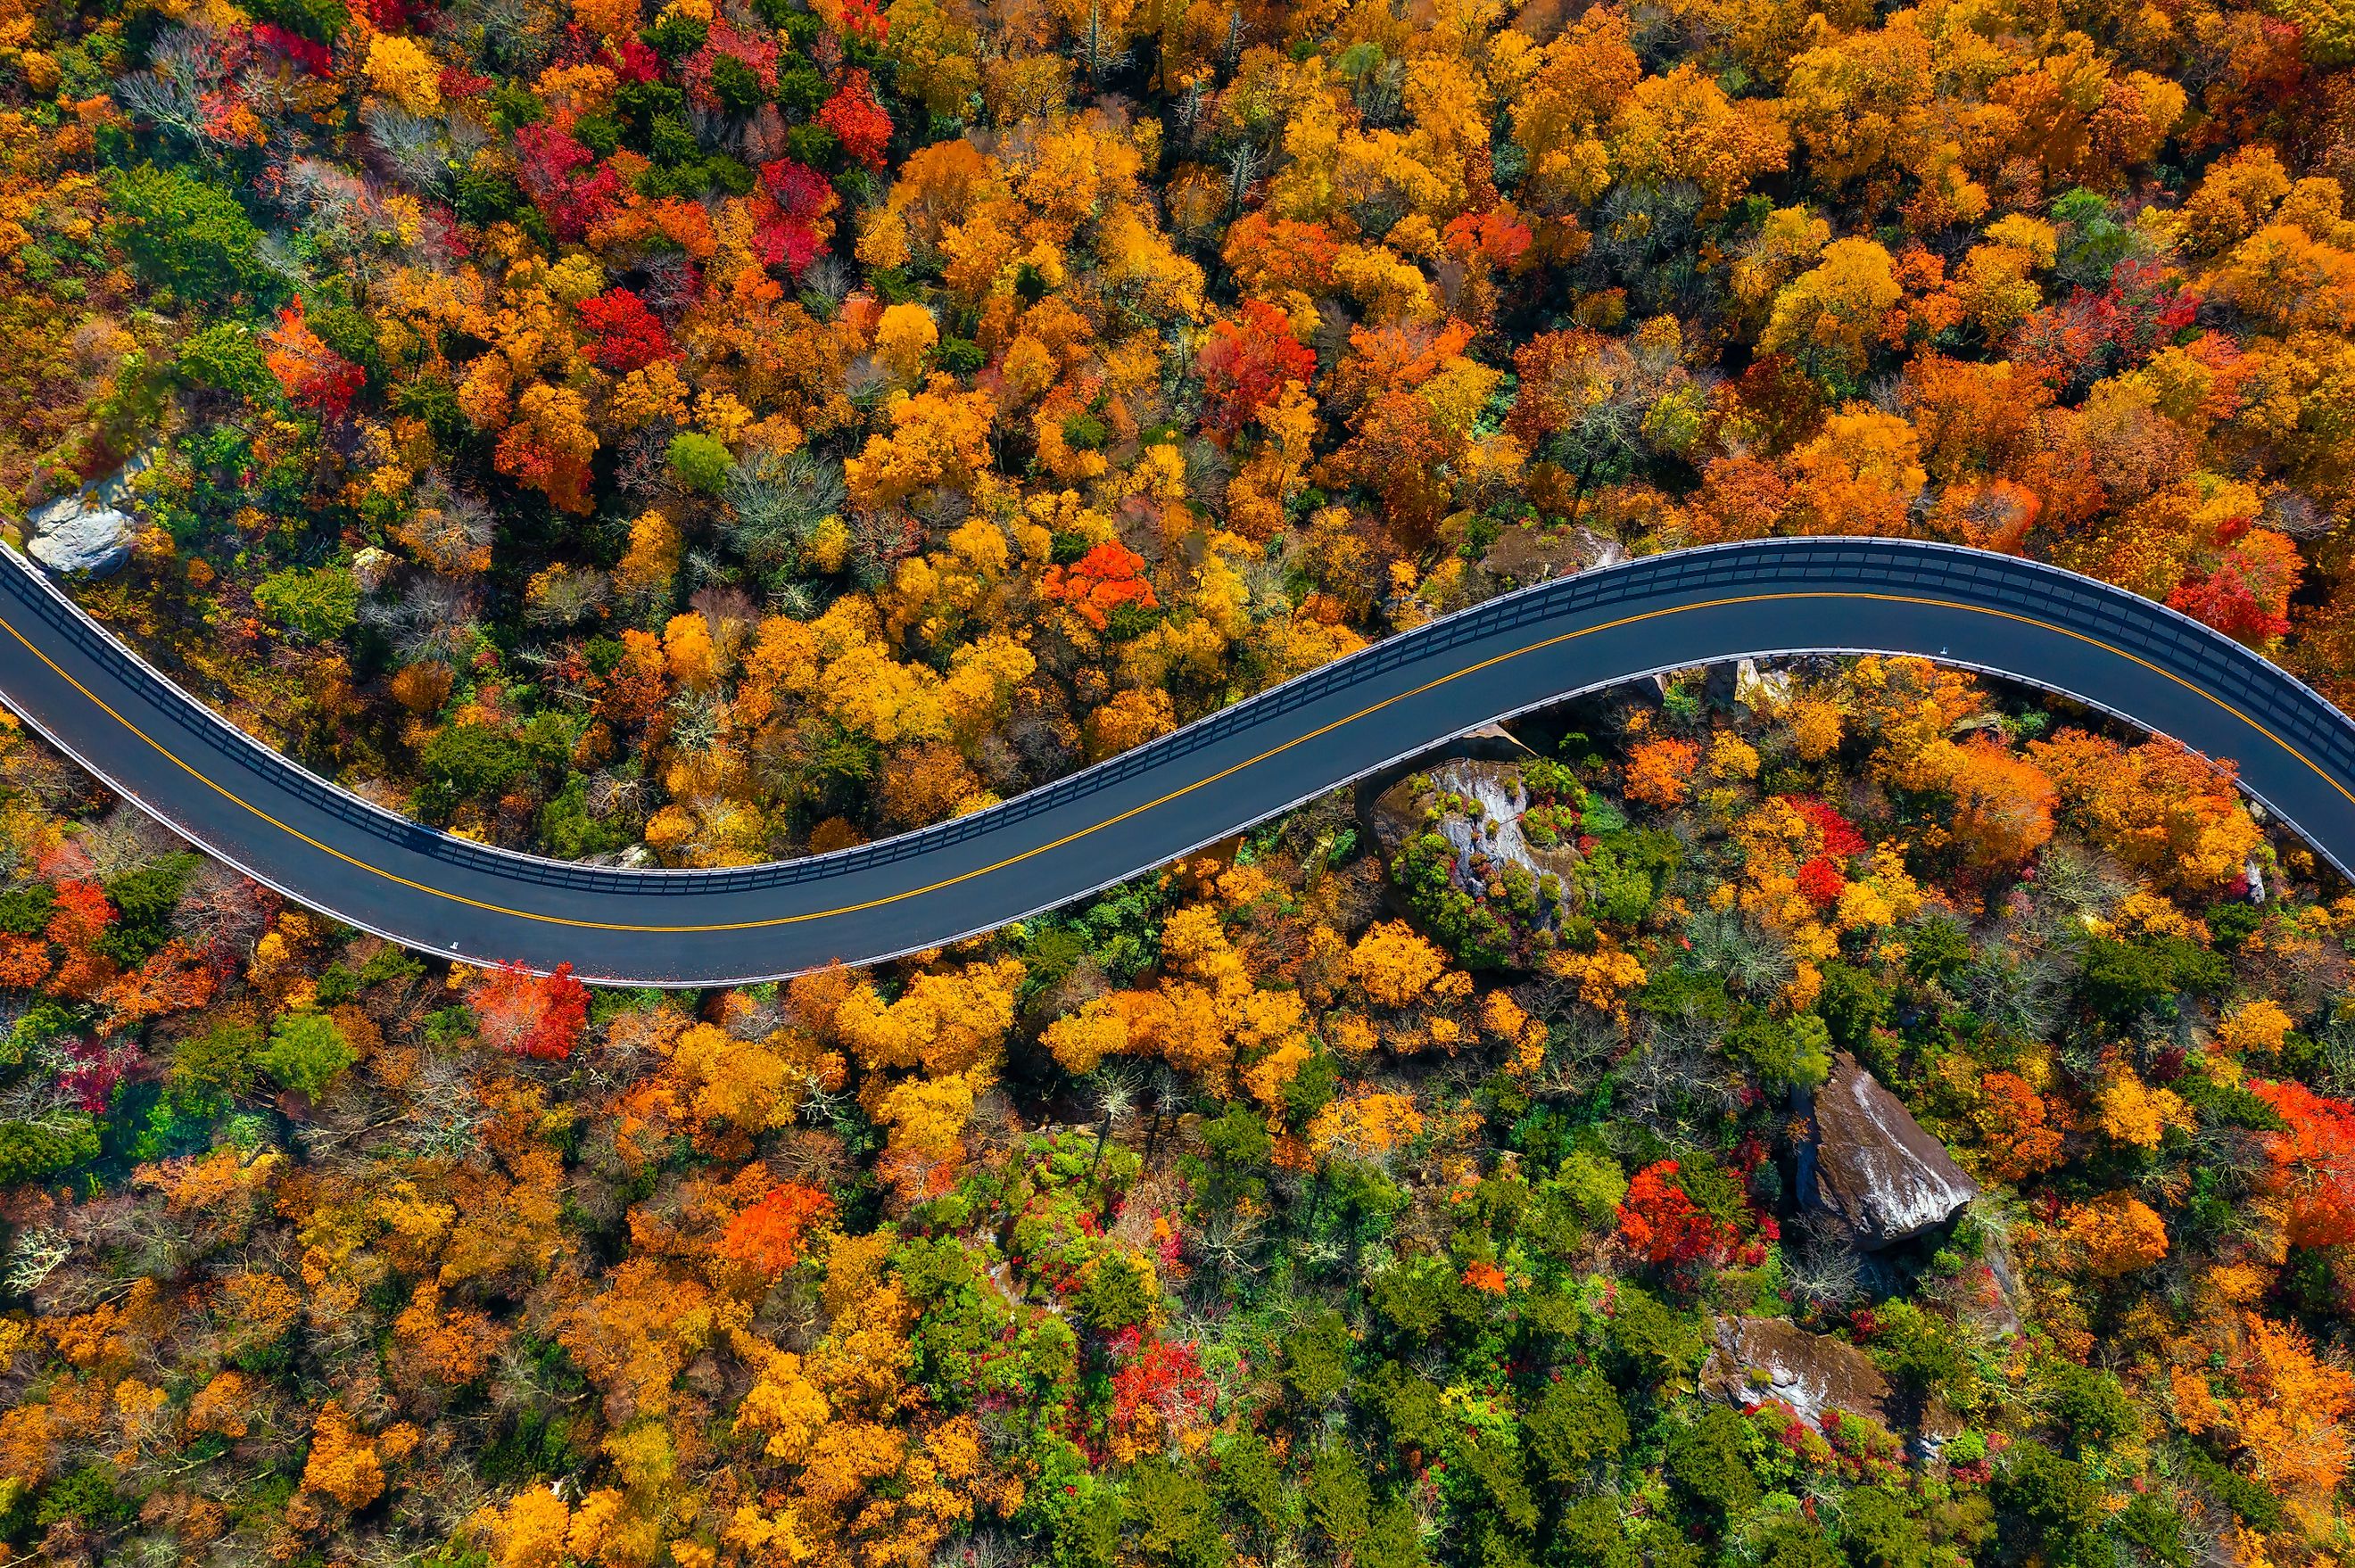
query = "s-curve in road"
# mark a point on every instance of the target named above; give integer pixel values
(285, 827)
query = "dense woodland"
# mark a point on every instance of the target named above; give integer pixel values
(1231, 1219)
(716, 434)
(719, 433)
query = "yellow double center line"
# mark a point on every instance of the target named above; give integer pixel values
(1181, 791)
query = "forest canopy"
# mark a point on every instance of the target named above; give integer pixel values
(720, 431)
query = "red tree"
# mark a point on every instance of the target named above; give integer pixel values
(2313, 1163)
(1839, 836)
(1100, 582)
(858, 122)
(536, 1016)
(79, 917)
(786, 225)
(1820, 882)
(571, 188)
(1665, 1226)
(1246, 364)
(2246, 593)
(768, 1235)
(629, 335)
(1162, 1378)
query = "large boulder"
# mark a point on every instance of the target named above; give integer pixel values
(1753, 1360)
(1876, 1175)
(80, 533)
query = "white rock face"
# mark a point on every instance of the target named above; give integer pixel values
(1496, 834)
(75, 533)
(1876, 1173)
(89, 531)
(1762, 691)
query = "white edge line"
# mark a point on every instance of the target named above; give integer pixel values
(395, 821)
(49, 585)
(1571, 694)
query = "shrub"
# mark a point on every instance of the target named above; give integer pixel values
(1577, 1424)
(2058, 1504)
(1708, 1462)
(186, 235)
(1651, 1343)
(306, 1052)
(701, 462)
(311, 606)
(1316, 1358)
(467, 761)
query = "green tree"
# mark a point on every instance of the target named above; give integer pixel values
(1577, 1424)
(1651, 1343)
(2057, 1502)
(1252, 1484)
(145, 900)
(306, 1052)
(311, 606)
(226, 357)
(1876, 1531)
(215, 1063)
(1316, 1358)
(1710, 1463)
(468, 761)
(1173, 1516)
(185, 235)
(701, 462)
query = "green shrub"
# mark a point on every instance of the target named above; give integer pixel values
(306, 1052)
(1251, 1482)
(1651, 1343)
(185, 235)
(1876, 1531)
(469, 762)
(1317, 1357)
(30, 1151)
(1173, 1516)
(2059, 1506)
(226, 356)
(144, 901)
(701, 462)
(1576, 1424)
(1709, 1461)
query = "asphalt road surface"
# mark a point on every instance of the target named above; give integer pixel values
(285, 826)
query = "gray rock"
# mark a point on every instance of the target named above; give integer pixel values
(1398, 814)
(370, 566)
(1755, 1360)
(80, 533)
(1877, 1175)
(1762, 690)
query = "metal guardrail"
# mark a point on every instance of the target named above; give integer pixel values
(2136, 625)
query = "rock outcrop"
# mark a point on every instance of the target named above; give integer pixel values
(1876, 1175)
(77, 533)
(1485, 823)
(1471, 856)
(89, 531)
(1521, 556)
(1755, 1360)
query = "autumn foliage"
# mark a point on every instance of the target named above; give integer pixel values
(535, 1016)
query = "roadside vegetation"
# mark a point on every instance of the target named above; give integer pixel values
(1293, 1204)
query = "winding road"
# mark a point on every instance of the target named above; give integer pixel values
(75, 682)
